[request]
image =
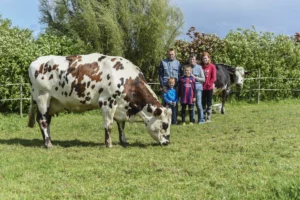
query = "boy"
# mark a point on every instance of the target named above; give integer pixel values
(187, 93)
(171, 99)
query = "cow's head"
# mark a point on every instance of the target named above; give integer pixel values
(239, 76)
(158, 123)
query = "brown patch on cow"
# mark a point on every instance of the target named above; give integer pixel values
(109, 83)
(126, 107)
(83, 102)
(62, 93)
(73, 58)
(36, 73)
(92, 70)
(111, 103)
(118, 66)
(105, 103)
(45, 68)
(80, 89)
(100, 104)
(138, 95)
(109, 98)
(43, 78)
(88, 93)
(44, 124)
(100, 90)
(56, 88)
(101, 58)
(113, 59)
(118, 92)
(66, 94)
(157, 112)
(72, 87)
(93, 86)
(122, 81)
(63, 85)
(55, 67)
(51, 77)
(87, 98)
(108, 76)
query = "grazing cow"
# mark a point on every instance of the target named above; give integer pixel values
(227, 75)
(85, 82)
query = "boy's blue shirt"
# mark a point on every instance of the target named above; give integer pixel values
(171, 95)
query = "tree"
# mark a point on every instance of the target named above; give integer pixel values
(18, 49)
(200, 42)
(140, 30)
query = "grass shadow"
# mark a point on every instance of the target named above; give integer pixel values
(68, 143)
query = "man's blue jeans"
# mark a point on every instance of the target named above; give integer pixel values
(199, 107)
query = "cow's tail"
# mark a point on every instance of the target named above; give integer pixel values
(31, 120)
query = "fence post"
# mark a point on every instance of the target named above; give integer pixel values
(21, 96)
(258, 94)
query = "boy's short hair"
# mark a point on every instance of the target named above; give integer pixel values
(187, 66)
(171, 80)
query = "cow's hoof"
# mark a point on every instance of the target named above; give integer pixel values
(48, 143)
(124, 144)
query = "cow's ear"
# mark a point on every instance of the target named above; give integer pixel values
(149, 109)
(157, 112)
(231, 70)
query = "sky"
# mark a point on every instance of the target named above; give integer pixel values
(208, 16)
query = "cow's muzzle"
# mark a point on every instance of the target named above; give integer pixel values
(239, 85)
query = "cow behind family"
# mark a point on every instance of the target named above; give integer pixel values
(85, 82)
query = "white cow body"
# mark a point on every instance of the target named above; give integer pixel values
(86, 82)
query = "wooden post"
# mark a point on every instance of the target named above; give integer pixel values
(258, 93)
(21, 96)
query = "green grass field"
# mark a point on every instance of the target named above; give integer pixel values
(251, 152)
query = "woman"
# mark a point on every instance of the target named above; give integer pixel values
(198, 74)
(210, 77)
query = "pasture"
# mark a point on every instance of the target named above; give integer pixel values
(251, 152)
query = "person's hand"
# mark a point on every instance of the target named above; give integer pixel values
(194, 99)
(164, 89)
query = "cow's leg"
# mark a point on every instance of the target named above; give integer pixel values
(43, 118)
(224, 95)
(108, 112)
(122, 138)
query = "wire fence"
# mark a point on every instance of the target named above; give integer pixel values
(259, 89)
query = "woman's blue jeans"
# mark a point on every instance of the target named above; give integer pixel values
(199, 106)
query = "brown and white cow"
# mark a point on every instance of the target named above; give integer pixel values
(85, 82)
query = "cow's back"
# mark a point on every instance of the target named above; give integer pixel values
(223, 76)
(78, 82)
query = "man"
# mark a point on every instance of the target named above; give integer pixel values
(169, 68)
